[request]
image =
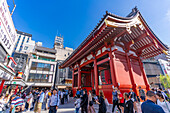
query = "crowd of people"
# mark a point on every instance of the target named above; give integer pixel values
(34, 100)
(153, 101)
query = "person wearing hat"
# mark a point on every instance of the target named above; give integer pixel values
(54, 102)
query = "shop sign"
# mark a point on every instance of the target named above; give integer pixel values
(4, 75)
(8, 34)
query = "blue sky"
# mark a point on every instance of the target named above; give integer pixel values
(75, 19)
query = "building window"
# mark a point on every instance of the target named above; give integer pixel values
(46, 52)
(26, 47)
(42, 66)
(104, 73)
(27, 39)
(65, 55)
(76, 80)
(68, 53)
(19, 38)
(39, 78)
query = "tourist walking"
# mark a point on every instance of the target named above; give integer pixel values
(35, 97)
(17, 104)
(77, 104)
(38, 104)
(66, 95)
(2, 104)
(149, 105)
(90, 102)
(120, 101)
(44, 104)
(128, 104)
(62, 96)
(133, 97)
(138, 105)
(29, 99)
(141, 93)
(161, 101)
(77, 92)
(84, 102)
(54, 102)
(115, 99)
(101, 102)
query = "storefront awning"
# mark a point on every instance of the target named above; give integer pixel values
(6, 73)
(18, 82)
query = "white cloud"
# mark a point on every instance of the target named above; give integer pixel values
(168, 15)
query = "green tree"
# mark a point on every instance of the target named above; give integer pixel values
(165, 81)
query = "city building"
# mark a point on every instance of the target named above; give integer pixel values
(23, 38)
(156, 66)
(111, 55)
(23, 47)
(21, 59)
(165, 66)
(64, 76)
(8, 38)
(61, 52)
(42, 67)
(153, 70)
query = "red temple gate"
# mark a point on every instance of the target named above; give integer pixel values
(111, 55)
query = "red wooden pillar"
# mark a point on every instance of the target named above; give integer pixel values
(2, 84)
(144, 75)
(112, 69)
(16, 90)
(92, 78)
(72, 78)
(134, 85)
(79, 77)
(96, 77)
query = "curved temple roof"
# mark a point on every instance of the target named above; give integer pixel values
(132, 28)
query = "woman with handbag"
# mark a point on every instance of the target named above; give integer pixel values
(90, 101)
(101, 102)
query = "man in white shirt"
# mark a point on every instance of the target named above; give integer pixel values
(53, 102)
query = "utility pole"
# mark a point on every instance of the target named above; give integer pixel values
(13, 8)
(56, 71)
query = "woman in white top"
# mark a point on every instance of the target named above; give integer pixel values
(29, 99)
(90, 103)
(163, 102)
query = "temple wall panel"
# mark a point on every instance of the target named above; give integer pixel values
(137, 73)
(107, 90)
(122, 70)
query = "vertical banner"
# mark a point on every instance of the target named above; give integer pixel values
(8, 35)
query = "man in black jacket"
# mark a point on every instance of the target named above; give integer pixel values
(84, 102)
(128, 104)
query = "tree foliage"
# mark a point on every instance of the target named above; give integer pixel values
(165, 81)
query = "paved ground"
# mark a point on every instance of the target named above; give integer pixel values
(66, 108)
(69, 108)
